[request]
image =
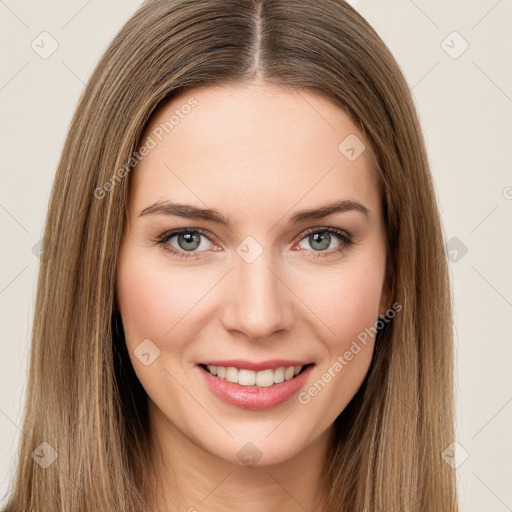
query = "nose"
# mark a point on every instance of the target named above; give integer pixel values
(260, 303)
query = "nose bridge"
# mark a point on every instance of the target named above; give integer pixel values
(259, 302)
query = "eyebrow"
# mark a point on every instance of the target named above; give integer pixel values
(212, 215)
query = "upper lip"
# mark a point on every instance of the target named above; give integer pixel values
(270, 364)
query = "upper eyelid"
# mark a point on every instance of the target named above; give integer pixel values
(175, 232)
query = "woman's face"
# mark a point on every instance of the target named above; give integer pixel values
(251, 282)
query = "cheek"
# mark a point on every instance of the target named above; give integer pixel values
(157, 302)
(345, 302)
(145, 309)
(346, 309)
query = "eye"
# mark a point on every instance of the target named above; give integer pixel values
(185, 241)
(321, 239)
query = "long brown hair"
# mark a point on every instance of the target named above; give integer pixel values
(83, 398)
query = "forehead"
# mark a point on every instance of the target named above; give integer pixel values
(253, 144)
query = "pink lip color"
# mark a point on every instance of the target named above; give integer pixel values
(253, 397)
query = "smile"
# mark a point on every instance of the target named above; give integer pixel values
(263, 378)
(257, 388)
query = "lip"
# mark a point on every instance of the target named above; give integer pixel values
(253, 397)
(270, 364)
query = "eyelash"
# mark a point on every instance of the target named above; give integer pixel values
(341, 235)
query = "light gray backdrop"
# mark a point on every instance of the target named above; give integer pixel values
(457, 58)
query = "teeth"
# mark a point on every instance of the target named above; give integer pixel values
(264, 378)
(232, 374)
(288, 373)
(279, 375)
(246, 378)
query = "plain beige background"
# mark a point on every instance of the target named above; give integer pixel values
(456, 57)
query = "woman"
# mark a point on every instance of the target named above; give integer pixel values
(245, 302)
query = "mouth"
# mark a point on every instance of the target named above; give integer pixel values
(263, 386)
(255, 379)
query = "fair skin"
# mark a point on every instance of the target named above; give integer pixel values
(258, 154)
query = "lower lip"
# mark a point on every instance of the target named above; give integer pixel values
(253, 397)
